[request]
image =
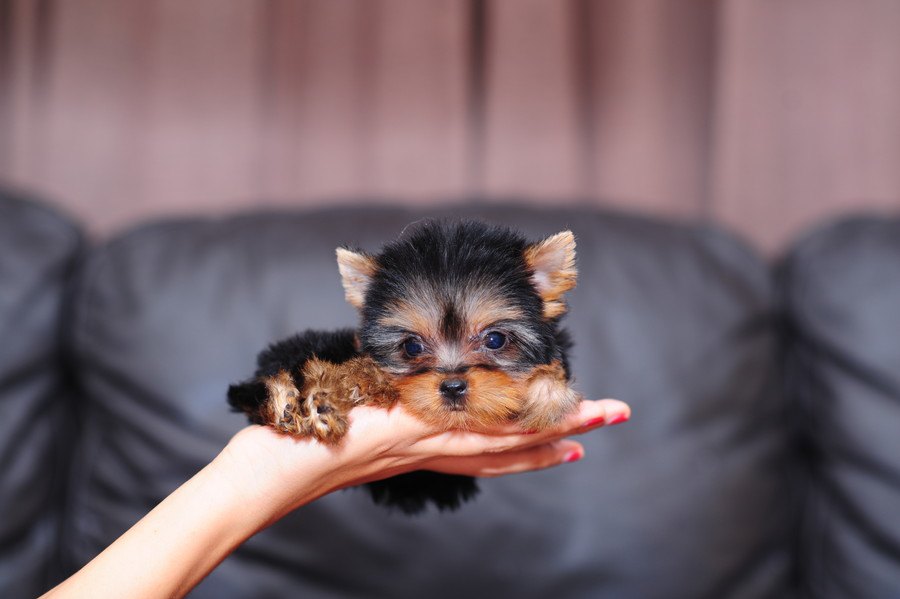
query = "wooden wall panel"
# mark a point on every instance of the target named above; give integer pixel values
(650, 78)
(145, 117)
(808, 117)
(85, 127)
(364, 99)
(419, 100)
(531, 109)
(317, 114)
(762, 114)
(19, 87)
(201, 103)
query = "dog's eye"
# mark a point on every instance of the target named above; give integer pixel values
(413, 347)
(494, 340)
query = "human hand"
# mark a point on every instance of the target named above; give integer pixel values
(282, 472)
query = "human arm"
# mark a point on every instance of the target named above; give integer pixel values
(260, 476)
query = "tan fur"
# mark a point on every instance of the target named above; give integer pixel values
(483, 311)
(549, 399)
(424, 321)
(494, 398)
(478, 311)
(329, 392)
(356, 271)
(538, 400)
(553, 263)
(282, 393)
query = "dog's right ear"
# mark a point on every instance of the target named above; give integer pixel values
(357, 270)
(552, 262)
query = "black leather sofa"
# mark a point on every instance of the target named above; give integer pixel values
(762, 460)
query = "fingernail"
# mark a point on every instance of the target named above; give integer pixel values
(616, 412)
(572, 456)
(530, 432)
(623, 417)
(595, 422)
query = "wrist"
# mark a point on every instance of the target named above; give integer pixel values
(268, 474)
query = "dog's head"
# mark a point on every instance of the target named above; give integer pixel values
(461, 314)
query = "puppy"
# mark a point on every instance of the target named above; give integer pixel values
(459, 322)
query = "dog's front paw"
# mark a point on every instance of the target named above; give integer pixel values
(548, 398)
(327, 393)
(321, 412)
(310, 412)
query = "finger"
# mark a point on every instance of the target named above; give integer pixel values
(590, 415)
(523, 460)
(608, 412)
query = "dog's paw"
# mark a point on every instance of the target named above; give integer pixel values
(282, 399)
(320, 413)
(310, 412)
(548, 398)
(329, 391)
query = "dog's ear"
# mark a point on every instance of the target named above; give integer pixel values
(357, 270)
(552, 262)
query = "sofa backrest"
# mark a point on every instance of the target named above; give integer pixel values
(690, 499)
(38, 249)
(842, 297)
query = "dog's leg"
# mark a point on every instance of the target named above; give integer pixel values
(320, 409)
(279, 395)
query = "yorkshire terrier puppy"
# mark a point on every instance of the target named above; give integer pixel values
(459, 323)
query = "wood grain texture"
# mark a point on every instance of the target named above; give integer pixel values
(317, 119)
(531, 125)
(808, 114)
(651, 78)
(21, 87)
(764, 115)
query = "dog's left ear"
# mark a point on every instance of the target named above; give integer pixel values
(552, 262)
(357, 270)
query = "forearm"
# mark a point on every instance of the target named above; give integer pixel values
(188, 534)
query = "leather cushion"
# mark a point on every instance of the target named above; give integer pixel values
(842, 289)
(37, 251)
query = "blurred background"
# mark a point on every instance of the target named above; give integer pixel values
(764, 115)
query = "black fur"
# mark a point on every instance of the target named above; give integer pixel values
(448, 256)
(290, 354)
(411, 492)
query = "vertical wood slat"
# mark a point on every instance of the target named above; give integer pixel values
(86, 133)
(202, 104)
(7, 47)
(652, 74)
(419, 101)
(21, 34)
(808, 124)
(317, 104)
(476, 106)
(531, 137)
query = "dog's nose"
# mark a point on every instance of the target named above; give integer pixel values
(453, 390)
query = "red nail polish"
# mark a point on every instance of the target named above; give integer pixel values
(623, 417)
(572, 456)
(595, 422)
